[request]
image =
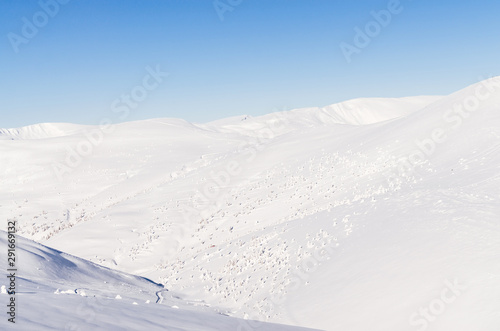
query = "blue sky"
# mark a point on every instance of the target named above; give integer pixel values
(265, 55)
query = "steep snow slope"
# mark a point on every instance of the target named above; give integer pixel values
(56, 291)
(291, 217)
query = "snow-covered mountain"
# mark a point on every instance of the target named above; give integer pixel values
(57, 291)
(372, 214)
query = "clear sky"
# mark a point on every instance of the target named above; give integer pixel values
(84, 56)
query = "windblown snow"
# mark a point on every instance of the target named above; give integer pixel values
(371, 214)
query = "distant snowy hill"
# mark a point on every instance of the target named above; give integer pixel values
(372, 214)
(41, 131)
(352, 112)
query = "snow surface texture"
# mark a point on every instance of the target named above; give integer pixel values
(58, 291)
(372, 214)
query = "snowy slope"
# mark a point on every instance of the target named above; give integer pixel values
(350, 217)
(352, 112)
(57, 291)
(41, 131)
